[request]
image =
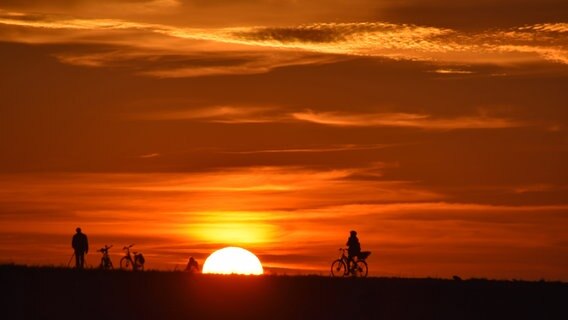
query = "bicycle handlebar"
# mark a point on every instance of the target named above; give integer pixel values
(105, 248)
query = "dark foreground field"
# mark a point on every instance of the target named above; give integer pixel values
(49, 293)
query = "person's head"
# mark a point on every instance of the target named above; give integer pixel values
(78, 230)
(353, 233)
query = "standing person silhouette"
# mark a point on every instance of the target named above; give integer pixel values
(354, 248)
(80, 245)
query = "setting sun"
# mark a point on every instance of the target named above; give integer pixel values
(233, 260)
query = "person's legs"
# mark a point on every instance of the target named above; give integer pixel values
(79, 260)
(349, 262)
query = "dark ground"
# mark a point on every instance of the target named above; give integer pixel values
(53, 293)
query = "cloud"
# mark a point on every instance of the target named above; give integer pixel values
(323, 149)
(418, 42)
(407, 120)
(236, 115)
(163, 64)
(219, 114)
(268, 188)
(535, 43)
(150, 155)
(540, 187)
(452, 71)
(548, 27)
(259, 63)
(352, 38)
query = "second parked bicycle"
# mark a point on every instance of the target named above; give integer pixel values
(132, 261)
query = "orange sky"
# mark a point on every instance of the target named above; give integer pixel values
(437, 129)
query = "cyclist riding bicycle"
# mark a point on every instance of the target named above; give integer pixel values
(354, 248)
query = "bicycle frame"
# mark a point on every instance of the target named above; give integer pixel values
(131, 258)
(354, 267)
(106, 262)
(345, 258)
(128, 254)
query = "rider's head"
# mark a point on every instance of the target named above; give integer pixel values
(78, 230)
(353, 232)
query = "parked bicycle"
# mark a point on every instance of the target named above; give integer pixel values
(106, 263)
(357, 268)
(132, 261)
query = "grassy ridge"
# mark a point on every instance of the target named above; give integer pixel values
(56, 293)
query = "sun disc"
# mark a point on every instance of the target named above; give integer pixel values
(233, 260)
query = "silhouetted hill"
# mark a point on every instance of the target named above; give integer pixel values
(53, 293)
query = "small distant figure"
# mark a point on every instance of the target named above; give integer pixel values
(354, 248)
(80, 245)
(192, 266)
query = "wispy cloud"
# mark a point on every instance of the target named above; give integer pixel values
(541, 42)
(561, 27)
(404, 120)
(259, 63)
(150, 155)
(315, 149)
(540, 187)
(236, 115)
(452, 71)
(163, 64)
(220, 114)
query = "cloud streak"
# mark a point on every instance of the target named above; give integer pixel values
(219, 114)
(405, 120)
(540, 42)
(243, 115)
(333, 148)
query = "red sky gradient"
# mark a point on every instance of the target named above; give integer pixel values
(437, 129)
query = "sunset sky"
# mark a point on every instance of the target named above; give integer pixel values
(437, 129)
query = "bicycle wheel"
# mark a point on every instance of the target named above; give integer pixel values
(361, 269)
(139, 262)
(338, 268)
(126, 263)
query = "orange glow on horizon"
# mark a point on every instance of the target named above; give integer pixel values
(438, 131)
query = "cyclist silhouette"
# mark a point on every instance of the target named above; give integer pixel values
(81, 246)
(354, 248)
